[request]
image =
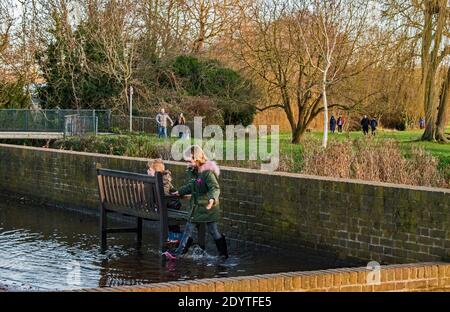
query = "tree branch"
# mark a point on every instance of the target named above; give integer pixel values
(269, 107)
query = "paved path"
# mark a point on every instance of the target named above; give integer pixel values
(31, 135)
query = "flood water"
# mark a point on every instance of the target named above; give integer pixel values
(45, 248)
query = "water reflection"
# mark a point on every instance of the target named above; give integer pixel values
(45, 248)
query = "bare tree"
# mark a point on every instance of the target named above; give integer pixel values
(6, 22)
(208, 19)
(284, 45)
(164, 27)
(336, 31)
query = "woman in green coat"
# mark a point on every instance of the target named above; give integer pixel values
(203, 186)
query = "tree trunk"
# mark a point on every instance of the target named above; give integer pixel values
(297, 135)
(325, 110)
(430, 61)
(200, 40)
(430, 111)
(442, 110)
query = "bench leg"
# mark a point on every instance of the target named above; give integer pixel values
(201, 233)
(139, 231)
(103, 227)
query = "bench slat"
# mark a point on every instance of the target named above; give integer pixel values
(106, 189)
(117, 192)
(101, 188)
(123, 188)
(141, 193)
(111, 190)
(120, 191)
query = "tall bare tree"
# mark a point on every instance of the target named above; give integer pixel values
(6, 22)
(336, 30)
(208, 19)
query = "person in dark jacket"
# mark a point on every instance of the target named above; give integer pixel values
(422, 123)
(365, 122)
(340, 124)
(203, 186)
(332, 124)
(373, 125)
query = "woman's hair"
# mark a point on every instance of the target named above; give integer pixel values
(196, 154)
(156, 165)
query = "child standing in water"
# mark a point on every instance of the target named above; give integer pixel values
(203, 186)
(172, 203)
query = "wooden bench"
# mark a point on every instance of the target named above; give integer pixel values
(136, 195)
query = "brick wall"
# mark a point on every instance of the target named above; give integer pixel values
(368, 221)
(409, 277)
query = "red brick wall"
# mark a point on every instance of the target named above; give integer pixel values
(406, 277)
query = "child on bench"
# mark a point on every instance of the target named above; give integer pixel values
(157, 165)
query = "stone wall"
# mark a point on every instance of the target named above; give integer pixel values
(355, 219)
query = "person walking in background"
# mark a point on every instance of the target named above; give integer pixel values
(161, 121)
(332, 124)
(373, 125)
(422, 123)
(181, 121)
(365, 122)
(340, 124)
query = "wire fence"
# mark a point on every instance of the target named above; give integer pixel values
(80, 125)
(139, 124)
(50, 120)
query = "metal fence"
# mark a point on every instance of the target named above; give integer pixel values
(80, 125)
(140, 124)
(50, 120)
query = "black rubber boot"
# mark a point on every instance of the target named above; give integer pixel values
(221, 244)
(188, 244)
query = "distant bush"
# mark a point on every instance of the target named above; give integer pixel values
(123, 145)
(373, 160)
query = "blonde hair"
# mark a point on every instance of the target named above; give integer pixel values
(156, 165)
(196, 154)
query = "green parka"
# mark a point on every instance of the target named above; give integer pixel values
(203, 185)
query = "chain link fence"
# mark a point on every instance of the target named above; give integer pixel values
(140, 124)
(80, 125)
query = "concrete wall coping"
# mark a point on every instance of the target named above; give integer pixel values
(245, 170)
